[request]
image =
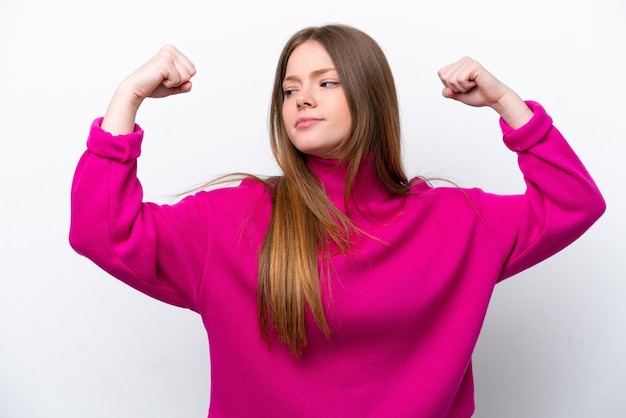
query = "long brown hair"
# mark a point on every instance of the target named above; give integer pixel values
(304, 221)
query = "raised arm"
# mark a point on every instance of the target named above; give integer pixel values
(137, 242)
(561, 200)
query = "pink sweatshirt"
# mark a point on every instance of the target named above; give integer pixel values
(406, 309)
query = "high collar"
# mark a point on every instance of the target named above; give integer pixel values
(368, 195)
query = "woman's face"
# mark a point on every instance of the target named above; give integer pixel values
(315, 110)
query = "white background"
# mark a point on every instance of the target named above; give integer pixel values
(76, 343)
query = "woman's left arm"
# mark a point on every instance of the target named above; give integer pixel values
(561, 200)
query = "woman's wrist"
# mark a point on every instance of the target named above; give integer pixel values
(120, 116)
(513, 110)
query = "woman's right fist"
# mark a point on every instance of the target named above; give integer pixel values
(168, 72)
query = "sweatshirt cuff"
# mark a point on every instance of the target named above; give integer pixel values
(122, 148)
(529, 135)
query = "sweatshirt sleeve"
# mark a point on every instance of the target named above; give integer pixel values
(111, 225)
(560, 203)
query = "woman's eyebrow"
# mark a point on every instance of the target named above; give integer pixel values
(313, 73)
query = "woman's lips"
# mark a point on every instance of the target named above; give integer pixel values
(306, 122)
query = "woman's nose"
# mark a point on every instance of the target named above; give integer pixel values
(305, 100)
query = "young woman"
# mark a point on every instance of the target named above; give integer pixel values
(341, 288)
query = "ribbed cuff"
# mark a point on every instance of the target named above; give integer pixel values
(122, 148)
(529, 135)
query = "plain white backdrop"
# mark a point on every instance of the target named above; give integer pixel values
(76, 343)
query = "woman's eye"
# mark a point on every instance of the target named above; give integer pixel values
(330, 84)
(288, 92)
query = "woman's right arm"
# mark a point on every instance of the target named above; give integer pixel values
(139, 243)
